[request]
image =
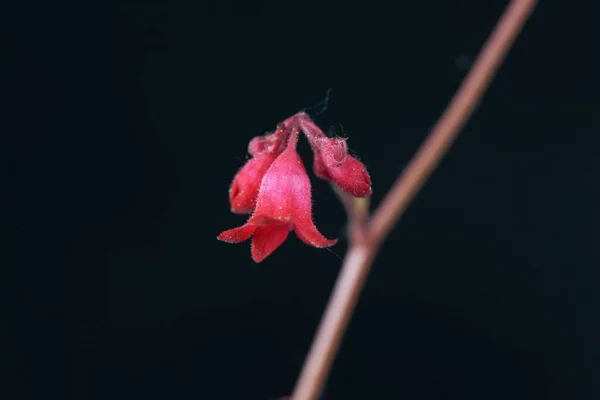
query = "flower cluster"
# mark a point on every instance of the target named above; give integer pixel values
(274, 187)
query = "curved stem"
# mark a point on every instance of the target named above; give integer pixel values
(361, 254)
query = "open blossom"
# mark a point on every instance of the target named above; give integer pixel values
(283, 204)
(274, 187)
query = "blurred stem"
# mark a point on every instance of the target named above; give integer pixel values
(367, 235)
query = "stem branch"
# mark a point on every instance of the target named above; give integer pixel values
(362, 252)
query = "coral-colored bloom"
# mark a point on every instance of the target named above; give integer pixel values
(244, 188)
(275, 187)
(333, 163)
(283, 204)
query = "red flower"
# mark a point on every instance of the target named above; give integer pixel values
(246, 183)
(333, 163)
(283, 204)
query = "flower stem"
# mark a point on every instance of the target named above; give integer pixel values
(361, 253)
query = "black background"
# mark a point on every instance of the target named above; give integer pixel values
(125, 126)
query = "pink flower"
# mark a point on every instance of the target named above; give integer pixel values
(283, 204)
(332, 161)
(246, 183)
(274, 187)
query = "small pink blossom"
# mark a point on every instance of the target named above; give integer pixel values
(274, 187)
(283, 204)
(333, 163)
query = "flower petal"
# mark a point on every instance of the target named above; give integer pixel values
(284, 182)
(307, 232)
(245, 185)
(266, 239)
(237, 235)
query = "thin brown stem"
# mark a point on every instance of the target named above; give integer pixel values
(362, 252)
(453, 119)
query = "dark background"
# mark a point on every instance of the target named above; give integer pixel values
(124, 127)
